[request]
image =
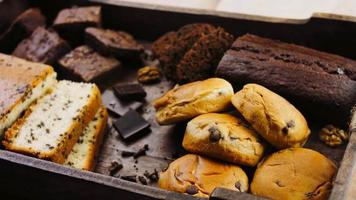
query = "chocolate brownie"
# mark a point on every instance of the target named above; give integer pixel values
(185, 39)
(201, 60)
(71, 22)
(84, 64)
(109, 42)
(313, 78)
(44, 46)
(21, 27)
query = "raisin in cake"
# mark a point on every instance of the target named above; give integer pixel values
(50, 128)
(21, 83)
(109, 42)
(44, 46)
(84, 153)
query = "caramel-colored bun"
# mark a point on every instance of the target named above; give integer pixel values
(193, 99)
(225, 137)
(199, 176)
(273, 117)
(294, 174)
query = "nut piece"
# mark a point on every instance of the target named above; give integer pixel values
(333, 136)
(148, 74)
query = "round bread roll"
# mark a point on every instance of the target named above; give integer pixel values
(225, 137)
(293, 174)
(193, 99)
(273, 117)
(199, 176)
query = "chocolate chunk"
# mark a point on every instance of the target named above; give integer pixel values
(215, 134)
(192, 190)
(291, 124)
(131, 178)
(152, 176)
(142, 180)
(115, 105)
(115, 167)
(131, 124)
(129, 91)
(238, 185)
(141, 151)
(127, 154)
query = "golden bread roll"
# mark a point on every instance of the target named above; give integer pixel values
(193, 99)
(199, 176)
(225, 137)
(294, 174)
(273, 117)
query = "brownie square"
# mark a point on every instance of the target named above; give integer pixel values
(21, 27)
(129, 91)
(44, 46)
(84, 64)
(131, 124)
(110, 42)
(71, 22)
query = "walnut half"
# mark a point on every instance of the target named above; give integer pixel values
(333, 136)
(148, 74)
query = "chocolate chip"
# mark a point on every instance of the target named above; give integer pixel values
(114, 168)
(215, 134)
(152, 176)
(285, 130)
(142, 180)
(127, 154)
(238, 185)
(291, 124)
(141, 152)
(131, 178)
(192, 190)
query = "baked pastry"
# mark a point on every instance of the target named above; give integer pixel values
(273, 117)
(174, 47)
(84, 64)
(21, 83)
(224, 137)
(201, 60)
(44, 46)
(21, 28)
(199, 176)
(71, 22)
(193, 99)
(319, 82)
(109, 42)
(85, 151)
(294, 173)
(50, 128)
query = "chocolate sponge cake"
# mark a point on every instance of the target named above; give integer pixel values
(44, 46)
(201, 60)
(312, 78)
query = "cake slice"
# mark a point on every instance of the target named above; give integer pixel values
(50, 127)
(21, 82)
(85, 151)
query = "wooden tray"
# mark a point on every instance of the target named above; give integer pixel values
(27, 177)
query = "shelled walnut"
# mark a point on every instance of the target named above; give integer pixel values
(148, 74)
(333, 136)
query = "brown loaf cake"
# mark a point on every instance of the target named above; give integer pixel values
(306, 76)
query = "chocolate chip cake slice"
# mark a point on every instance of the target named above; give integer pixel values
(44, 46)
(84, 153)
(50, 128)
(21, 83)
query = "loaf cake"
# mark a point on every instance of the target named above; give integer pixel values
(85, 151)
(109, 42)
(199, 176)
(21, 27)
(71, 22)
(84, 64)
(21, 83)
(44, 46)
(50, 127)
(312, 78)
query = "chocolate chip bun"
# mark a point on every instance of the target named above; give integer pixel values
(273, 117)
(225, 137)
(294, 174)
(192, 99)
(199, 176)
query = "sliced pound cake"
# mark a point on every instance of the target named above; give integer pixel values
(84, 153)
(50, 127)
(21, 82)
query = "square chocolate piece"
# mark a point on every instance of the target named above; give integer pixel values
(129, 91)
(84, 64)
(44, 46)
(115, 105)
(131, 124)
(71, 22)
(109, 42)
